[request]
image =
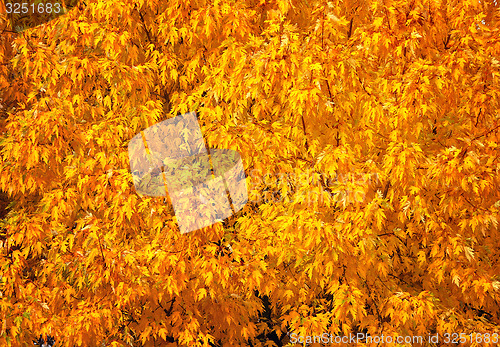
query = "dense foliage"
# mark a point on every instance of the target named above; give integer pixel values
(369, 131)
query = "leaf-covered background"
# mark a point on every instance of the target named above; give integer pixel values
(369, 131)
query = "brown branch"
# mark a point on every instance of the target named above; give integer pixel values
(102, 253)
(486, 133)
(144, 25)
(349, 33)
(447, 41)
(305, 133)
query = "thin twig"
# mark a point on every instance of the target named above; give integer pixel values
(486, 133)
(144, 24)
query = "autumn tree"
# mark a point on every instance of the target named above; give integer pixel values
(369, 131)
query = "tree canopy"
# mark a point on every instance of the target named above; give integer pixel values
(369, 132)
